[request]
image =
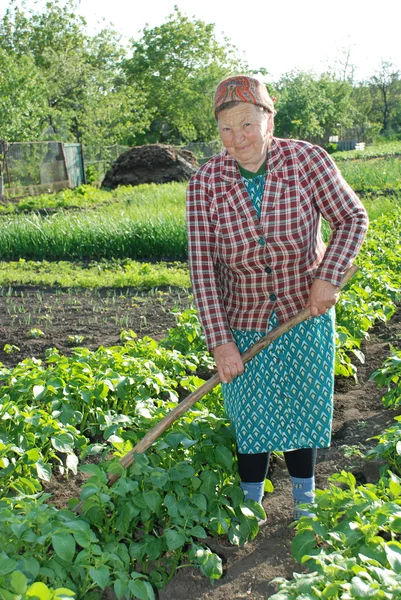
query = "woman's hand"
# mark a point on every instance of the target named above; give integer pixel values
(322, 296)
(228, 361)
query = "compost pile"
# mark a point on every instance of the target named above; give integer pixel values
(153, 163)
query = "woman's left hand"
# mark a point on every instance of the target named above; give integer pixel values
(322, 296)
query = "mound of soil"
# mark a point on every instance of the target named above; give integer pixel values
(154, 163)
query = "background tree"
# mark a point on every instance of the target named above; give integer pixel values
(385, 89)
(178, 65)
(22, 98)
(84, 89)
(309, 106)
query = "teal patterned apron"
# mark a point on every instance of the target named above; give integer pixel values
(284, 398)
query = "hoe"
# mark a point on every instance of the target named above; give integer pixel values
(127, 460)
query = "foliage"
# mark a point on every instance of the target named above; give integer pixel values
(132, 228)
(60, 82)
(178, 65)
(351, 545)
(63, 415)
(128, 222)
(83, 88)
(376, 150)
(376, 175)
(22, 102)
(389, 375)
(308, 105)
(375, 290)
(385, 88)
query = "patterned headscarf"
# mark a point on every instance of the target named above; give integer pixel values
(242, 88)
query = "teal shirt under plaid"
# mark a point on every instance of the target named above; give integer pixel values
(284, 398)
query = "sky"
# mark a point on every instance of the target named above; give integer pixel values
(280, 36)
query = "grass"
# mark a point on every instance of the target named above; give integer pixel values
(376, 174)
(383, 148)
(117, 274)
(87, 196)
(146, 222)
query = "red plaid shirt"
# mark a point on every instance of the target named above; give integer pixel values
(242, 268)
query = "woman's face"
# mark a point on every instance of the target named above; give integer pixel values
(246, 131)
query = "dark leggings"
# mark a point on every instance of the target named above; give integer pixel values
(300, 463)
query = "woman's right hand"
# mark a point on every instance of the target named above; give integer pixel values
(228, 361)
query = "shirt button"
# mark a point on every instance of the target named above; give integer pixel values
(261, 241)
(273, 297)
(268, 270)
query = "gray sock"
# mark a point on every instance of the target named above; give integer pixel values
(303, 493)
(253, 490)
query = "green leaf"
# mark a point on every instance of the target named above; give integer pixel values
(303, 543)
(200, 501)
(212, 565)
(170, 502)
(153, 500)
(180, 471)
(29, 566)
(120, 588)
(40, 590)
(393, 553)
(141, 589)
(123, 519)
(19, 582)
(210, 482)
(72, 463)
(44, 471)
(360, 589)
(63, 594)
(268, 486)
(224, 457)
(92, 470)
(101, 576)
(7, 565)
(38, 391)
(198, 531)
(64, 546)
(395, 486)
(6, 595)
(63, 442)
(114, 468)
(174, 539)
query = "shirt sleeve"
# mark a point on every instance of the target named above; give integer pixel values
(204, 276)
(345, 213)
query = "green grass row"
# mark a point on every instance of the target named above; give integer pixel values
(120, 273)
(146, 222)
(379, 149)
(377, 174)
(87, 197)
(96, 274)
(143, 223)
(359, 168)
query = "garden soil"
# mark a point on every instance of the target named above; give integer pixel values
(101, 315)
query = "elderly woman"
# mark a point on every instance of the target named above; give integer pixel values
(257, 258)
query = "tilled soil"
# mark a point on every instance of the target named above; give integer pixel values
(74, 317)
(100, 317)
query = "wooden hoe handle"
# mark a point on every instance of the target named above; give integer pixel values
(152, 435)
